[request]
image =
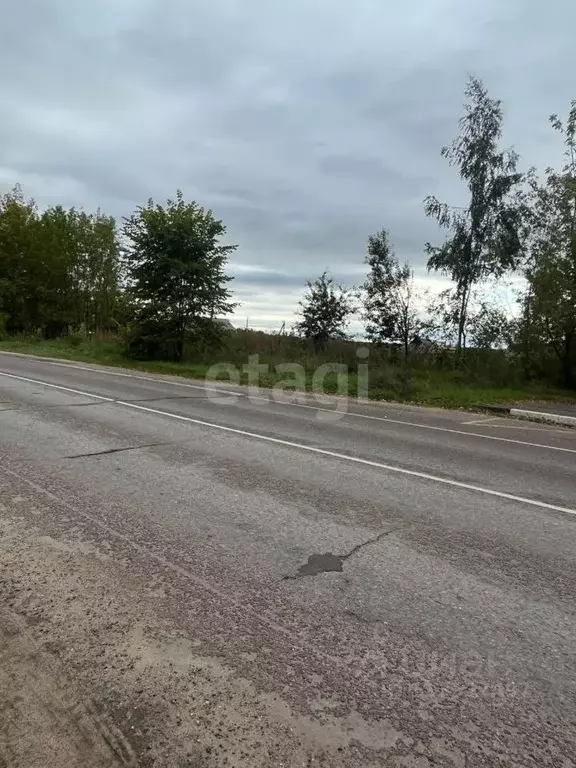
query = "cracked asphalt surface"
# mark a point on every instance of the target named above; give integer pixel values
(173, 590)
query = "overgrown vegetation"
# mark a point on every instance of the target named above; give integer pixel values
(150, 293)
(431, 378)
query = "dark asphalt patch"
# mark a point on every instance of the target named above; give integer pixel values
(321, 564)
(328, 562)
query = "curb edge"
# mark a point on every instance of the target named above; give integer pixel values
(550, 418)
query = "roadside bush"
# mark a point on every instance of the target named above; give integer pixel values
(154, 341)
(75, 340)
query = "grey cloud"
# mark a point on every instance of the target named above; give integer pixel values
(246, 283)
(369, 169)
(305, 126)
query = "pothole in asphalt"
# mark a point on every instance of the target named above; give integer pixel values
(318, 563)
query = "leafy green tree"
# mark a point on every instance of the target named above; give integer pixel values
(441, 324)
(325, 311)
(57, 251)
(96, 269)
(388, 295)
(410, 324)
(19, 296)
(57, 269)
(530, 343)
(486, 236)
(550, 304)
(76, 269)
(176, 271)
(489, 326)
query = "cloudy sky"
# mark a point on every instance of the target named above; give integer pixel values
(304, 124)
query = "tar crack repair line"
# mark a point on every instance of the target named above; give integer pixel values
(113, 450)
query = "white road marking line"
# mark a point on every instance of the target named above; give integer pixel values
(57, 386)
(386, 419)
(145, 378)
(523, 427)
(480, 421)
(312, 449)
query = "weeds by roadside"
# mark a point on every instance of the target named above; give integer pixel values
(419, 382)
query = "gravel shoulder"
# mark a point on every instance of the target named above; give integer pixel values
(90, 676)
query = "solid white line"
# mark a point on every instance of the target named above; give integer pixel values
(145, 378)
(57, 386)
(553, 429)
(480, 421)
(312, 449)
(325, 410)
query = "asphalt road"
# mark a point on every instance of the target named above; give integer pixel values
(193, 576)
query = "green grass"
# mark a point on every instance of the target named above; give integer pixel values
(421, 384)
(99, 352)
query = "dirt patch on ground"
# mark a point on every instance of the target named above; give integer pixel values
(89, 676)
(46, 720)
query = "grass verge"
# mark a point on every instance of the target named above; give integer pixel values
(420, 385)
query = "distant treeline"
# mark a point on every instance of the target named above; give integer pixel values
(158, 280)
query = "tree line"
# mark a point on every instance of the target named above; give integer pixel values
(159, 277)
(512, 223)
(57, 268)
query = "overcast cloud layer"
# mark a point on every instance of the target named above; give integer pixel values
(305, 125)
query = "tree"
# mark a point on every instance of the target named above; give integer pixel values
(57, 269)
(487, 324)
(388, 295)
(325, 311)
(441, 324)
(550, 304)
(57, 251)
(74, 270)
(96, 271)
(490, 327)
(486, 239)
(176, 273)
(410, 323)
(19, 299)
